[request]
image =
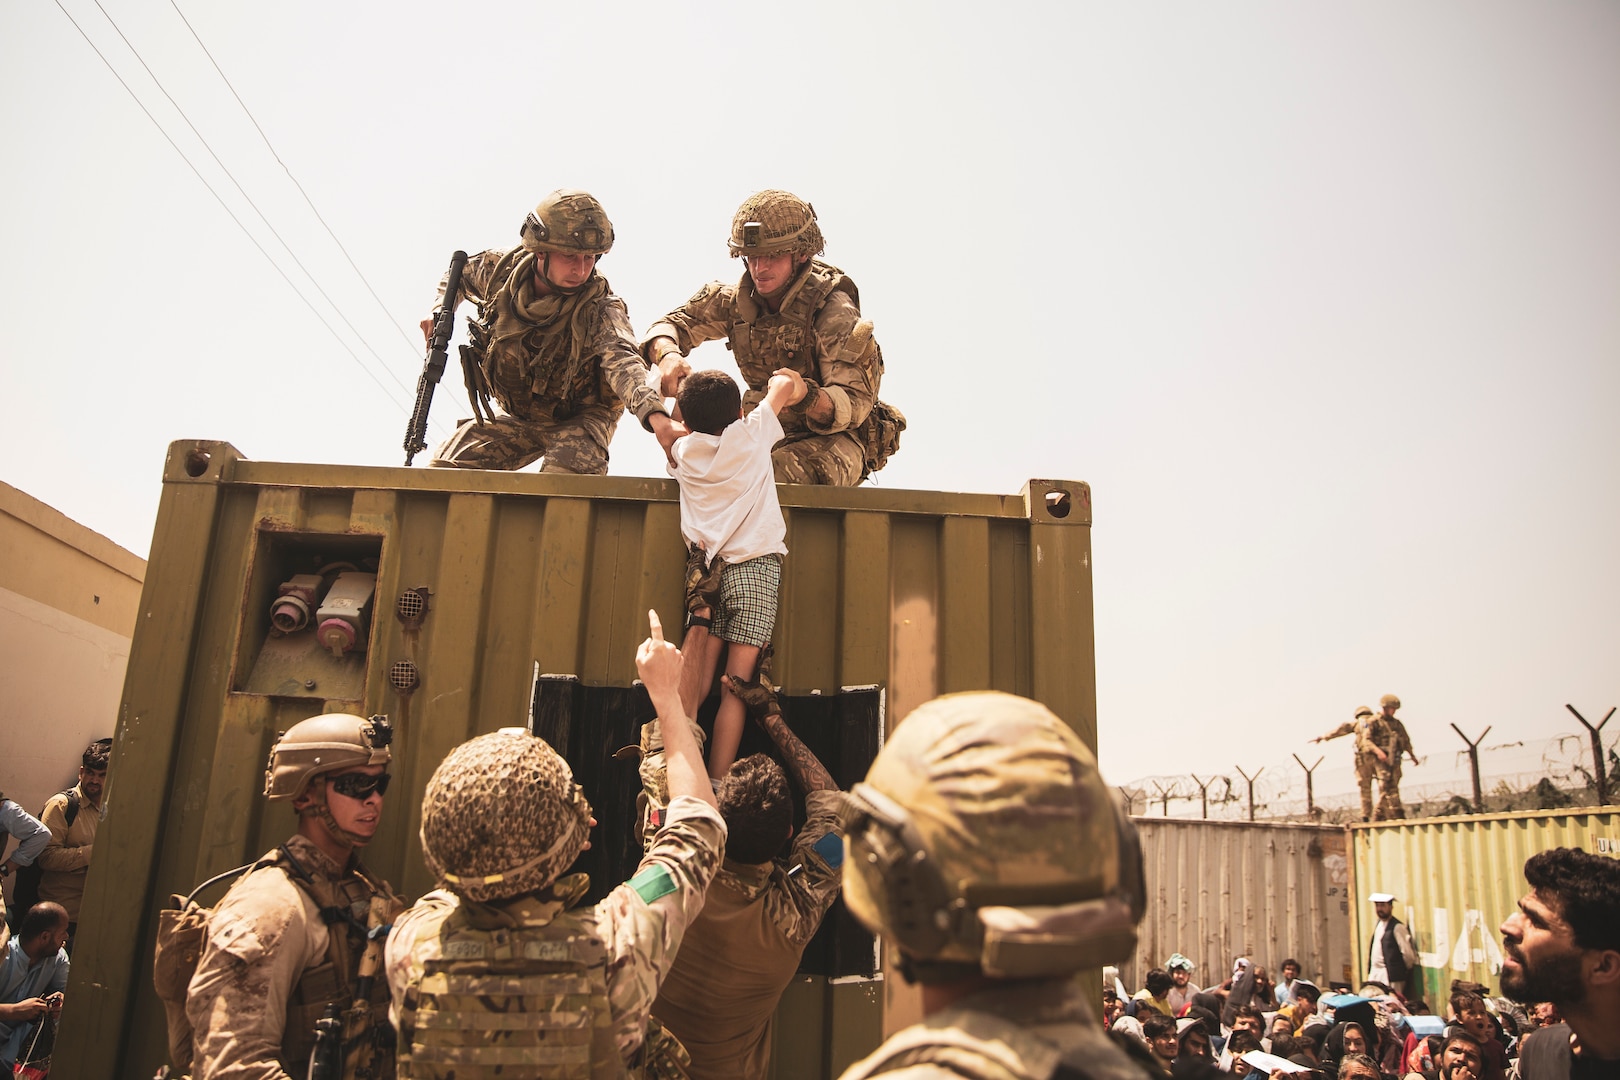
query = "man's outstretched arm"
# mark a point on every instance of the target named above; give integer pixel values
(807, 769)
(659, 664)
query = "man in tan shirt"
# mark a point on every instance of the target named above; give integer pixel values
(73, 816)
(742, 951)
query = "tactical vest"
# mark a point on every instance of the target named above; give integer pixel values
(510, 995)
(343, 907)
(763, 341)
(528, 385)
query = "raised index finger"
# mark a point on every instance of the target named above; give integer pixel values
(656, 626)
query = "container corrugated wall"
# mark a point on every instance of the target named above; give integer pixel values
(1223, 889)
(916, 593)
(1456, 879)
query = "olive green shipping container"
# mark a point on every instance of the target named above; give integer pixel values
(1455, 880)
(503, 599)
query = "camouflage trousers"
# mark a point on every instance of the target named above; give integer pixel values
(576, 445)
(836, 460)
(655, 778)
(1389, 792)
(1366, 769)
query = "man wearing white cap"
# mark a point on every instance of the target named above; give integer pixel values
(1391, 956)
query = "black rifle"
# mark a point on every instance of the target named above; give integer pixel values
(326, 1059)
(444, 325)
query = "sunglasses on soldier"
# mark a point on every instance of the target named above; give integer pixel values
(359, 785)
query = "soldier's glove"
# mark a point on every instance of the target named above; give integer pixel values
(702, 585)
(758, 697)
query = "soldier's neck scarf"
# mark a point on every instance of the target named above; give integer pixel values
(563, 321)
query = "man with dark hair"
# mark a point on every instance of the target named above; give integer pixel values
(1563, 946)
(1182, 988)
(1303, 1007)
(1156, 986)
(33, 974)
(1462, 1058)
(73, 816)
(1160, 1032)
(742, 951)
(1285, 986)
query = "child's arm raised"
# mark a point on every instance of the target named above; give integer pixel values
(785, 388)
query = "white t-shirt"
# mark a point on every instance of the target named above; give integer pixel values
(728, 489)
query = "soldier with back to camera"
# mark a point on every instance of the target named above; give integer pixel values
(986, 849)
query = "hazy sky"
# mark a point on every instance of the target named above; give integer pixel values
(1322, 299)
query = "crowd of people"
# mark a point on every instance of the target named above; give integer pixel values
(1556, 1018)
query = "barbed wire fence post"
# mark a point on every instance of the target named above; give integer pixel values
(1599, 772)
(1310, 792)
(1164, 796)
(1473, 763)
(1203, 793)
(1251, 780)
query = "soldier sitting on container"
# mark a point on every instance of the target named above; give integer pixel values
(790, 310)
(741, 953)
(498, 972)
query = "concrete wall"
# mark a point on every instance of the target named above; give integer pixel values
(68, 604)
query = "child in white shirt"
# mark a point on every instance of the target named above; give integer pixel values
(730, 512)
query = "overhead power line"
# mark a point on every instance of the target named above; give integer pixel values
(249, 199)
(226, 207)
(310, 202)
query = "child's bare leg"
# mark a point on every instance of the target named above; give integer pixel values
(700, 654)
(741, 662)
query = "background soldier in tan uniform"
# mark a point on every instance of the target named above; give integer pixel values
(497, 968)
(1394, 743)
(986, 849)
(1367, 752)
(741, 953)
(552, 345)
(790, 310)
(287, 939)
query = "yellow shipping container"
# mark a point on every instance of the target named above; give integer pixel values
(482, 600)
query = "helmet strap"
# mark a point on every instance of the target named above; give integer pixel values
(321, 812)
(543, 268)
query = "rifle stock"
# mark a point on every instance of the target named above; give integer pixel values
(444, 325)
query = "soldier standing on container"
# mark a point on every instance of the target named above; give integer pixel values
(552, 345)
(498, 972)
(1363, 727)
(1391, 955)
(986, 849)
(287, 939)
(1563, 946)
(790, 310)
(1395, 743)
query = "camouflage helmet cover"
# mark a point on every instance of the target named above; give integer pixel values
(769, 222)
(502, 816)
(568, 222)
(1363, 710)
(1039, 863)
(1390, 701)
(323, 744)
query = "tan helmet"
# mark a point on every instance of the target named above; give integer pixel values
(1363, 710)
(1390, 701)
(327, 743)
(985, 839)
(502, 816)
(568, 222)
(773, 221)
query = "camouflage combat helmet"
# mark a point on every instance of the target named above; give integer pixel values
(502, 816)
(1363, 710)
(773, 221)
(570, 223)
(985, 839)
(327, 743)
(1389, 701)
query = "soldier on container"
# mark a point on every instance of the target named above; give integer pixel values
(498, 971)
(986, 849)
(1363, 727)
(552, 346)
(1394, 743)
(790, 310)
(286, 941)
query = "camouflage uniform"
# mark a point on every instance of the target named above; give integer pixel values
(1396, 743)
(1365, 725)
(271, 964)
(639, 925)
(743, 950)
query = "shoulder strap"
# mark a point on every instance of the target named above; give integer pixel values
(72, 810)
